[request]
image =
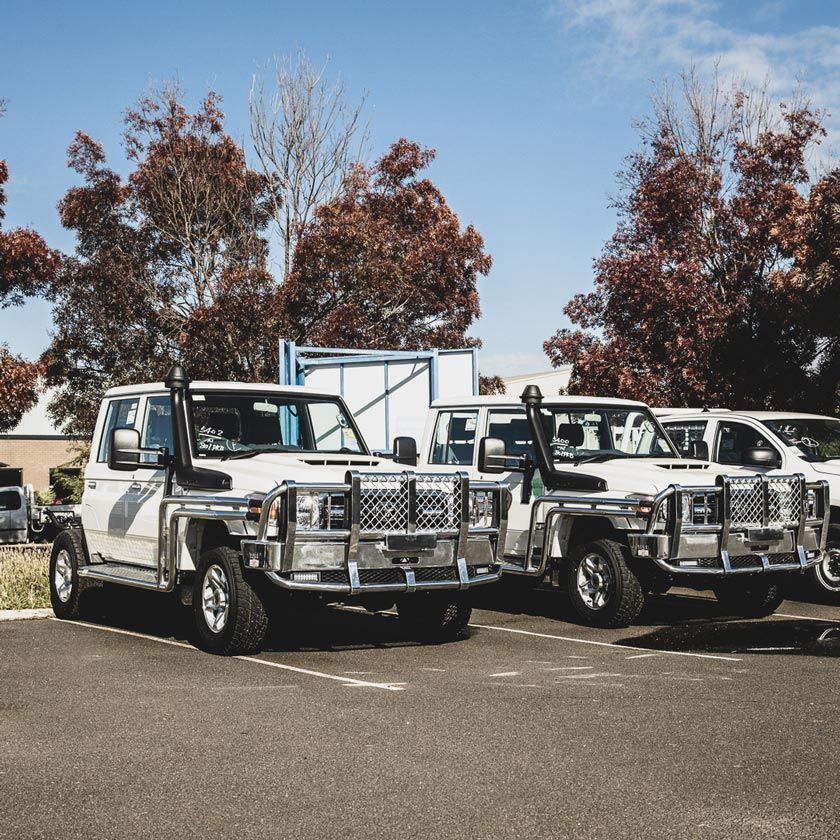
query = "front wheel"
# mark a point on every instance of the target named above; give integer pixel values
(603, 589)
(67, 594)
(229, 613)
(435, 616)
(824, 578)
(750, 599)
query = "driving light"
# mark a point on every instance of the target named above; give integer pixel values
(481, 509)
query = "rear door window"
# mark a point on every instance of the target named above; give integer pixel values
(686, 432)
(10, 500)
(454, 439)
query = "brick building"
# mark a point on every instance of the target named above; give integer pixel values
(36, 446)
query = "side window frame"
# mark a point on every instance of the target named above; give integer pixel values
(676, 423)
(450, 412)
(114, 408)
(758, 431)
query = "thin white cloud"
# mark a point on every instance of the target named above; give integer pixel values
(651, 38)
(635, 36)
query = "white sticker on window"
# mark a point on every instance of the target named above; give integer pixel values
(469, 426)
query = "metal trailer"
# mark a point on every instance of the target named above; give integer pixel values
(388, 391)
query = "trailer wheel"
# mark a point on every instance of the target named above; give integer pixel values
(824, 578)
(435, 616)
(67, 590)
(750, 599)
(230, 615)
(602, 588)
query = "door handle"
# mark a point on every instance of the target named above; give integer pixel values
(91, 485)
(135, 486)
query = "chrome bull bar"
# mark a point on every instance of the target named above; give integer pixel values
(347, 547)
(669, 541)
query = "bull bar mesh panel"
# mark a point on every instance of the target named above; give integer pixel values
(385, 503)
(747, 504)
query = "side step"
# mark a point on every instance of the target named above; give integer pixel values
(143, 577)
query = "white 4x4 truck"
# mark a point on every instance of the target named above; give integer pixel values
(604, 504)
(241, 494)
(770, 442)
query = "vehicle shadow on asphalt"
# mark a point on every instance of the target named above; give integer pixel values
(323, 628)
(774, 636)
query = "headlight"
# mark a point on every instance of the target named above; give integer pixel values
(308, 511)
(482, 505)
(811, 504)
(699, 508)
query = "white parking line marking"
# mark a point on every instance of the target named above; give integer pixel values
(585, 676)
(348, 681)
(804, 617)
(571, 668)
(603, 644)
(641, 655)
(506, 674)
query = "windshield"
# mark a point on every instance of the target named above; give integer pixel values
(234, 424)
(600, 433)
(818, 438)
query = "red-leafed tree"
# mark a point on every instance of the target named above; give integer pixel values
(386, 263)
(694, 301)
(170, 263)
(27, 268)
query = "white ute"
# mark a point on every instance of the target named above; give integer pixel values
(242, 496)
(604, 505)
(771, 442)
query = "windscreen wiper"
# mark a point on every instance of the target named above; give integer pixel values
(601, 456)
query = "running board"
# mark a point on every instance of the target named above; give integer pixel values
(142, 577)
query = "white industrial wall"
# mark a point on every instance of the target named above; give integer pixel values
(409, 391)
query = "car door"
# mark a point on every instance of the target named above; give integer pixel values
(511, 426)
(146, 488)
(104, 500)
(732, 437)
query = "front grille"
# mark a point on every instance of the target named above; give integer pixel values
(709, 562)
(745, 561)
(783, 559)
(425, 574)
(747, 501)
(335, 576)
(384, 503)
(372, 576)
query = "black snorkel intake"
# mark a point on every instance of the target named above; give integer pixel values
(553, 479)
(188, 476)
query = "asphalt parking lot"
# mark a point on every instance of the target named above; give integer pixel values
(688, 724)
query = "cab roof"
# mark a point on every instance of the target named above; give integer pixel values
(201, 385)
(697, 413)
(509, 400)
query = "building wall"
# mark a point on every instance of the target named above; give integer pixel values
(37, 456)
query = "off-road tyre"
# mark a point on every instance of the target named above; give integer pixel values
(824, 579)
(750, 598)
(68, 552)
(435, 616)
(624, 597)
(245, 626)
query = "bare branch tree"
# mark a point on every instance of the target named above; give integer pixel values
(306, 137)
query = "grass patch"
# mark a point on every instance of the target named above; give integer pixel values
(24, 577)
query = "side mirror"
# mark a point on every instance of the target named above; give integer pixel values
(700, 450)
(492, 457)
(761, 456)
(405, 451)
(124, 454)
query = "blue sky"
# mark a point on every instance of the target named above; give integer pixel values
(530, 105)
